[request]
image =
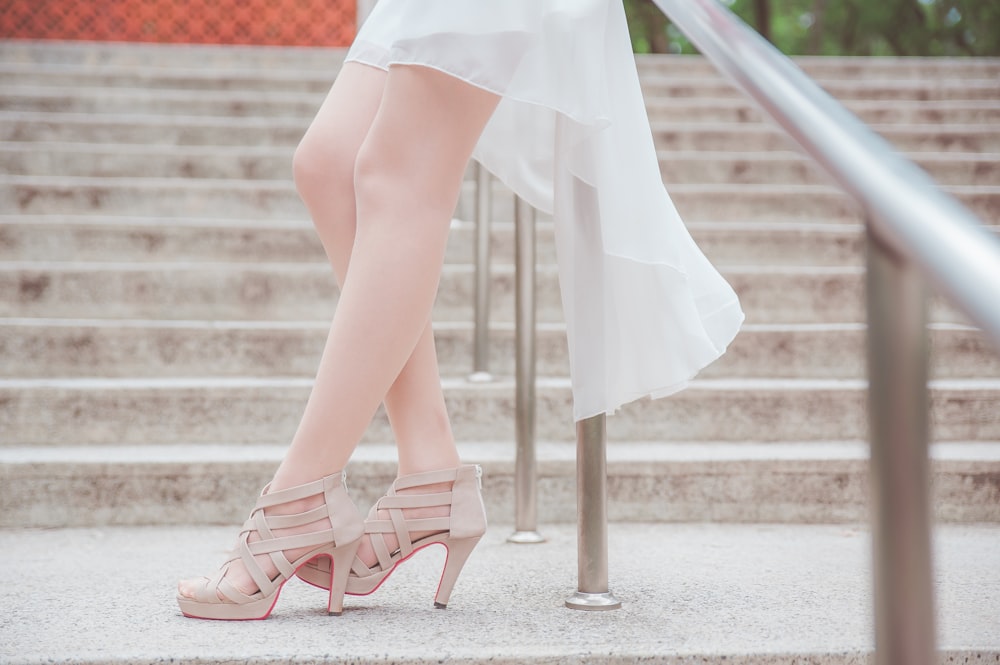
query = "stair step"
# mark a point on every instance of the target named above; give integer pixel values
(654, 84)
(979, 89)
(265, 199)
(128, 239)
(109, 160)
(703, 136)
(151, 129)
(277, 199)
(192, 78)
(307, 292)
(31, 158)
(58, 238)
(73, 348)
(216, 57)
(228, 103)
(786, 595)
(324, 60)
(814, 482)
(875, 112)
(262, 131)
(793, 168)
(145, 411)
(840, 67)
(303, 105)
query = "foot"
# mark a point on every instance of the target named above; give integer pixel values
(236, 572)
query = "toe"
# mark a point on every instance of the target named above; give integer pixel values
(187, 588)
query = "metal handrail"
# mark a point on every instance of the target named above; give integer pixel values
(914, 231)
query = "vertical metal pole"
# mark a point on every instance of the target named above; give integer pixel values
(898, 405)
(592, 517)
(526, 465)
(481, 333)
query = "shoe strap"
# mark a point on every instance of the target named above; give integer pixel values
(313, 539)
(269, 499)
(426, 478)
(415, 524)
(298, 519)
(415, 500)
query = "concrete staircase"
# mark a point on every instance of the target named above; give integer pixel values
(163, 303)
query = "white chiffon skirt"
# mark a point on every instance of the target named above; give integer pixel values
(645, 310)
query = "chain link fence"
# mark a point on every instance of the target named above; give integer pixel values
(258, 22)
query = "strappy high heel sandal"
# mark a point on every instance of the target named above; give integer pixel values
(336, 545)
(459, 532)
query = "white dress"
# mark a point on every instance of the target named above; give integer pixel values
(645, 310)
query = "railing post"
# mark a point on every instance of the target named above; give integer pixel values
(592, 518)
(526, 465)
(481, 332)
(898, 407)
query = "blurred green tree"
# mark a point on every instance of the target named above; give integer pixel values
(844, 27)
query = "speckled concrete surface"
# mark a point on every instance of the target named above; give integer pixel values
(748, 594)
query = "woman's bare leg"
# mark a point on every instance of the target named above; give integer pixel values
(324, 176)
(407, 177)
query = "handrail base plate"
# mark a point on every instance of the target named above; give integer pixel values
(593, 602)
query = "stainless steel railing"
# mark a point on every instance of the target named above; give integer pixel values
(526, 463)
(915, 232)
(481, 328)
(592, 538)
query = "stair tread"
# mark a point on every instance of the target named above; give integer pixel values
(485, 452)
(252, 97)
(287, 184)
(453, 383)
(270, 122)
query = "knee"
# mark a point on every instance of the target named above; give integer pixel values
(323, 168)
(390, 178)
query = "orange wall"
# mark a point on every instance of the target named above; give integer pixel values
(264, 22)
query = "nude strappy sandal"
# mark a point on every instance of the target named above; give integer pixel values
(459, 532)
(336, 545)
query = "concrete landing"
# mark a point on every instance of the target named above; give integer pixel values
(693, 593)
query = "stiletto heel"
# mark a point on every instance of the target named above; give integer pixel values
(218, 598)
(340, 561)
(458, 553)
(458, 532)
